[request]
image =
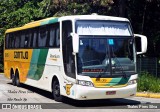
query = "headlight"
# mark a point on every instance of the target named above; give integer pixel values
(85, 83)
(134, 81)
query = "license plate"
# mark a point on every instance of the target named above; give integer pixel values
(110, 92)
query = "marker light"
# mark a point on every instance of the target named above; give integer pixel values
(134, 81)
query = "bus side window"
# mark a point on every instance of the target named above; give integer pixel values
(28, 38)
(52, 36)
(7, 41)
(34, 37)
(57, 38)
(22, 43)
(42, 36)
(17, 40)
(12, 40)
(57, 35)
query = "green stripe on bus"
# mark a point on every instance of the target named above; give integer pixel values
(37, 63)
(118, 81)
(49, 21)
(33, 64)
(123, 81)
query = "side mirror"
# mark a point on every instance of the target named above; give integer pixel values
(75, 42)
(141, 43)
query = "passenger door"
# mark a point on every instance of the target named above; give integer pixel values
(68, 57)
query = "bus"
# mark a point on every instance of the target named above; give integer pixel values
(82, 57)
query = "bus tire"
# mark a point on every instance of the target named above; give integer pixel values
(56, 91)
(17, 81)
(13, 79)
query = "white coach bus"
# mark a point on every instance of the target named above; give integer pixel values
(81, 57)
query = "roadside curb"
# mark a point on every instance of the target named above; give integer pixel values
(148, 95)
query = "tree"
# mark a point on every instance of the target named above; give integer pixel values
(16, 13)
(122, 8)
(72, 7)
(145, 19)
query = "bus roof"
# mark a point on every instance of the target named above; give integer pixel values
(73, 17)
(34, 24)
(93, 17)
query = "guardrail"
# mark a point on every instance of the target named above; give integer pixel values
(150, 65)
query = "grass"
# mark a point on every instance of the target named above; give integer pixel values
(148, 83)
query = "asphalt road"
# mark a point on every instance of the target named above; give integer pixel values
(26, 95)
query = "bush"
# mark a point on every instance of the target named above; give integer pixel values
(149, 83)
(1, 68)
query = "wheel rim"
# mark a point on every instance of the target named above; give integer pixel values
(57, 90)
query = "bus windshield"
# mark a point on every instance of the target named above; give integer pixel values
(106, 48)
(105, 57)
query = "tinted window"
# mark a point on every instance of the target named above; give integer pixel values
(22, 44)
(42, 36)
(17, 40)
(57, 38)
(6, 41)
(9, 42)
(54, 36)
(12, 40)
(68, 57)
(39, 37)
(27, 42)
(34, 38)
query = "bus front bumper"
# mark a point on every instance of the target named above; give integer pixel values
(87, 93)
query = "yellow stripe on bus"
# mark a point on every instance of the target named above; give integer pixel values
(18, 59)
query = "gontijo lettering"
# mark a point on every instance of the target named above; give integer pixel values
(21, 54)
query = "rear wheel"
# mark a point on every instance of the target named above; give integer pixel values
(56, 91)
(17, 81)
(13, 79)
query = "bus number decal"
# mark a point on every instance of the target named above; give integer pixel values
(21, 54)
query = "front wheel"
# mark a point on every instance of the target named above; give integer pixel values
(56, 91)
